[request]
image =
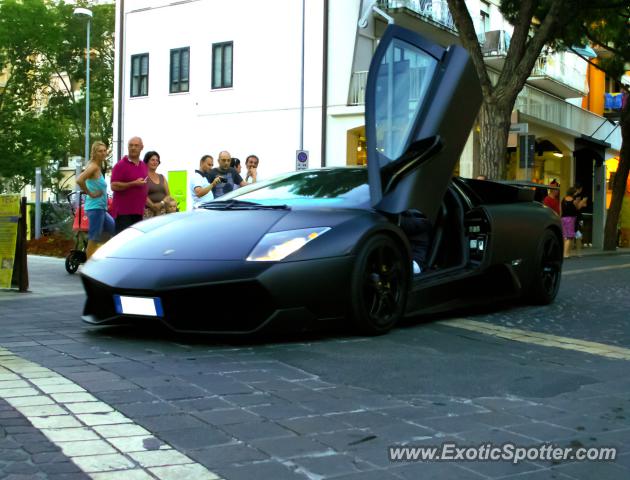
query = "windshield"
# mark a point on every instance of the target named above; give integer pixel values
(334, 188)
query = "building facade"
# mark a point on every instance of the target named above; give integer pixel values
(201, 76)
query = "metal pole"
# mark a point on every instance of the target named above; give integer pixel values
(38, 202)
(302, 80)
(78, 166)
(87, 96)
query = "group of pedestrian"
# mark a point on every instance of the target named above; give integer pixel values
(141, 192)
(569, 209)
(209, 182)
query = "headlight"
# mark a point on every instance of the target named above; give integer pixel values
(116, 242)
(278, 245)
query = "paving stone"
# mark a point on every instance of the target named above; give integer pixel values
(252, 398)
(288, 447)
(260, 471)
(164, 423)
(286, 410)
(433, 471)
(202, 404)
(61, 467)
(112, 386)
(15, 455)
(597, 423)
(502, 469)
(546, 474)
(312, 424)
(178, 392)
(22, 468)
(331, 465)
(402, 431)
(592, 470)
(150, 409)
(196, 437)
(227, 417)
(49, 457)
(256, 430)
(226, 455)
(369, 475)
(363, 419)
(542, 431)
(126, 396)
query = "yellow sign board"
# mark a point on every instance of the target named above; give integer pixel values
(9, 215)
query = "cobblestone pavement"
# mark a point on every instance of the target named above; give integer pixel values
(328, 405)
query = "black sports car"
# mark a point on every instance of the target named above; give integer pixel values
(330, 244)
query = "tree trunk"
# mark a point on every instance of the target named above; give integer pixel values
(619, 184)
(494, 124)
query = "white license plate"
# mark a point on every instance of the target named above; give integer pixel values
(145, 306)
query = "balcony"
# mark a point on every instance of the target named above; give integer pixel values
(560, 74)
(357, 88)
(359, 82)
(561, 114)
(535, 103)
(494, 47)
(430, 18)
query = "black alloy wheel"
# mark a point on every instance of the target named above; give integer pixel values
(380, 285)
(548, 266)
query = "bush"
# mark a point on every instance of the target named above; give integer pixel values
(56, 219)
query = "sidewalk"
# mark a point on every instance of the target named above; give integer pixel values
(590, 251)
(47, 278)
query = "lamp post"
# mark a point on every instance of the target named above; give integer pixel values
(84, 12)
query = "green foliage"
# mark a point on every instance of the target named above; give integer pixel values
(42, 103)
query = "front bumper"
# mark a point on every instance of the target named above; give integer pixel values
(221, 297)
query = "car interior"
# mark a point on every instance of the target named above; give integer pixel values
(447, 243)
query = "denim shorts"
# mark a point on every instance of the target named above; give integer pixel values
(99, 221)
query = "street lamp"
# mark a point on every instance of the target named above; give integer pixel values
(85, 12)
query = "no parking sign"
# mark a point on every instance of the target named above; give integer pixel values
(301, 159)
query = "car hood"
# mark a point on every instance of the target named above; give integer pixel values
(200, 235)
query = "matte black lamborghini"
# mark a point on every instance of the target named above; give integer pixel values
(327, 244)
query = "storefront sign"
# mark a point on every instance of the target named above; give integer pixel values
(9, 216)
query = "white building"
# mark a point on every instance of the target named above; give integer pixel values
(201, 76)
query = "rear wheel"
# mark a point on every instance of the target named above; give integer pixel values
(548, 268)
(380, 282)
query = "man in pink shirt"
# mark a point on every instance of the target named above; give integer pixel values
(129, 183)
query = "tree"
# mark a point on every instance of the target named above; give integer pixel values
(42, 103)
(536, 23)
(608, 29)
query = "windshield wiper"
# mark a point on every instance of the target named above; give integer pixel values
(240, 205)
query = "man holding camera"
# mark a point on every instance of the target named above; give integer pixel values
(200, 187)
(225, 178)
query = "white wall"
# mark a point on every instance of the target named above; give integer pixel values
(259, 114)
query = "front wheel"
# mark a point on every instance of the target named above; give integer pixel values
(72, 263)
(379, 286)
(548, 269)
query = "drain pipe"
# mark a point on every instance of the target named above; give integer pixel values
(325, 85)
(121, 86)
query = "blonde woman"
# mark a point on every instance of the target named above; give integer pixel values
(93, 184)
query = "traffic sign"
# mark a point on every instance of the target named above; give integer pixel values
(301, 159)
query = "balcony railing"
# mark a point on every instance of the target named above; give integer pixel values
(359, 82)
(542, 106)
(556, 67)
(357, 88)
(535, 103)
(434, 10)
(494, 43)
